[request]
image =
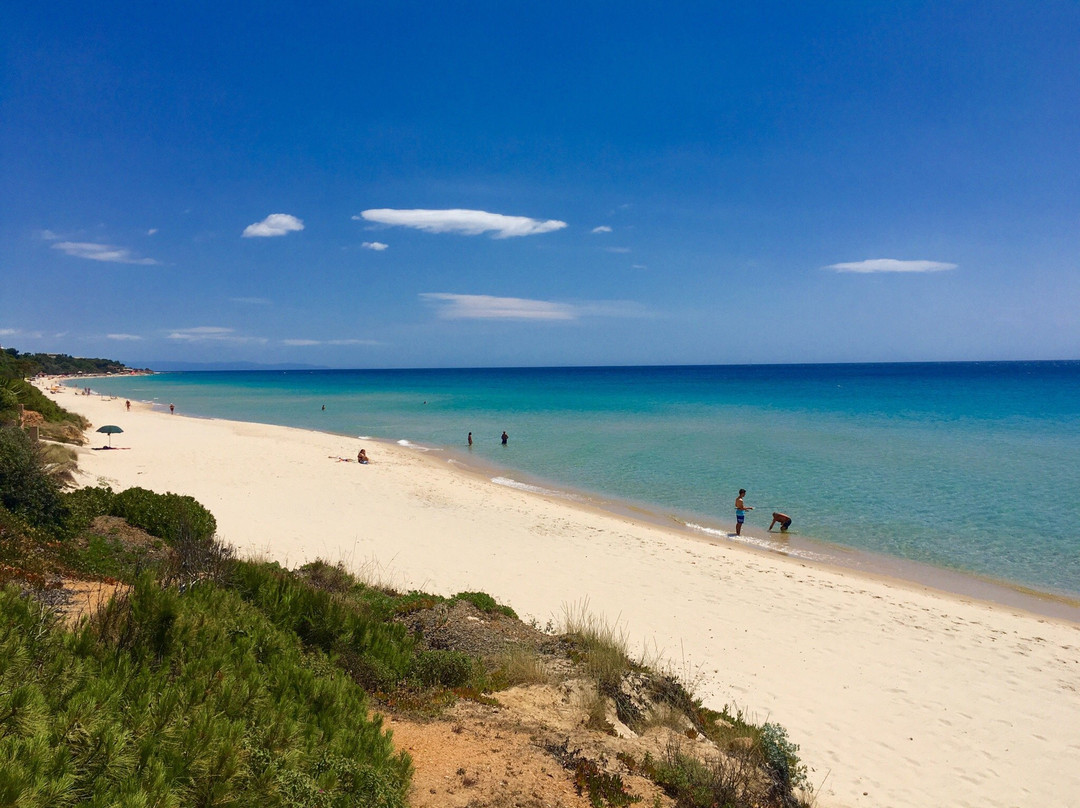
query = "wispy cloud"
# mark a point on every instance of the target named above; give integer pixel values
(7, 332)
(601, 229)
(466, 222)
(378, 246)
(619, 250)
(211, 333)
(151, 231)
(124, 337)
(891, 265)
(250, 301)
(638, 266)
(101, 252)
(486, 307)
(307, 342)
(276, 224)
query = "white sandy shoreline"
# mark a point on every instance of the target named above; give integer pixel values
(901, 695)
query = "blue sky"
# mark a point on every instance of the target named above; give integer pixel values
(417, 185)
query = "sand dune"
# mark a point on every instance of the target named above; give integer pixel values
(897, 695)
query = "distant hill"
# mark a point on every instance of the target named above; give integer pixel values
(194, 366)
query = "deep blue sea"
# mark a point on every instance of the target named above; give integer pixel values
(968, 466)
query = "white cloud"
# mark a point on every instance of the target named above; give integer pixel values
(619, 250)
(466, 222)
(7, 332)
(276, 224)
(101, 252)
(487, 307)
(638, 266)
(47, 235)
(210, 333)
(601, 229)
(378, 246)
(151, 231)
(301, 342)
(123, 337)
(891, 265)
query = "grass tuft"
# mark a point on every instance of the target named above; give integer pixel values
(524, 666)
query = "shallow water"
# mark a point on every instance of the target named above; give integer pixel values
(968, 466)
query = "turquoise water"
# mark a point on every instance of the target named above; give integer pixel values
(968, 466)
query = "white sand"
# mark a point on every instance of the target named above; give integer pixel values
(898, 696)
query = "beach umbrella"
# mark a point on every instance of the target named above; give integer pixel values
(110, 430)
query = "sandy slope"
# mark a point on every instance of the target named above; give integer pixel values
(898, 696)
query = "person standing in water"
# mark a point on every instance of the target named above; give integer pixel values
(505, 437)
(740, 511)
(470, 440)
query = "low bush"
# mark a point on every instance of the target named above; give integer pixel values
(33, 399)
(195, 699)
(170, 516)
(782, 759)
(443, 668)
(485, 603)
(321, 620)
(26, 487)
(86, 504)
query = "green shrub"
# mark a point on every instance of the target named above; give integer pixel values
(443, 668)
(195, 699)
(169, 516)
(9, 407)
(782, 758)
(331, 624)
(33, 399)
(26, 488)
(86, 504)
(485, 603)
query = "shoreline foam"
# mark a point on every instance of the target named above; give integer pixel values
(897, 694)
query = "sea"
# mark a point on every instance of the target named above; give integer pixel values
(967, 467)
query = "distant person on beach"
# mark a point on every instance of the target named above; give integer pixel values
(470, 438)
(740, 511)
(362, 458)
(324, 407)
(128, 405)
(505, 438)
(783, 519)
(172, 408)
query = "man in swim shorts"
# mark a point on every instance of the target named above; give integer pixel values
(783, 519)
(740, 511)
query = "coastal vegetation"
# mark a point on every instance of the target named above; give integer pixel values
(211, 680)
(21, 403)
(23, 365)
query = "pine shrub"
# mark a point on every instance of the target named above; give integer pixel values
(169, 699)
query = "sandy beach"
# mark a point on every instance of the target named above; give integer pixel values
(898, 695)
